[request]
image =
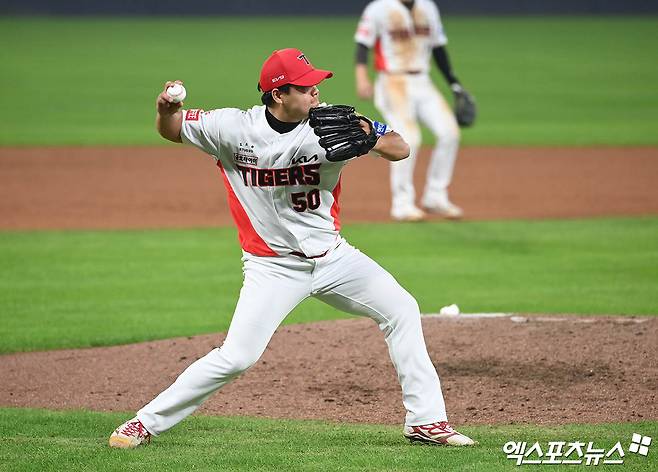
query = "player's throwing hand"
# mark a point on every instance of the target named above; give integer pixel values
(164, 103)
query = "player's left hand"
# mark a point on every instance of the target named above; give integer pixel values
(465, 108)
(343, 133)
(366, 124)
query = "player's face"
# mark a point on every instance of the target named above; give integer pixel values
(300, 100)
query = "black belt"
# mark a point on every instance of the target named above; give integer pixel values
(406, 72)
(304, 256)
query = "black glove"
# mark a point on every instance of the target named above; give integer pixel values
(340, 132)
(465, 109)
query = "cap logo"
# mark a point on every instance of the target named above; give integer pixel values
(276, 79)
(302, 57)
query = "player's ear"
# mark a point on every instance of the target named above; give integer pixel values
(276, 95)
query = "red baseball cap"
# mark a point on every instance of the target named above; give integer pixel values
(289, 66)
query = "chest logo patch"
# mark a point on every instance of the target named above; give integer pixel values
(245, 154)
(304, 159)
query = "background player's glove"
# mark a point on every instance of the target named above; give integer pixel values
(340, 131)
(465, 108)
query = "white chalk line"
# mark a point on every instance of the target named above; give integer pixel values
(515, 318)
(470, 315)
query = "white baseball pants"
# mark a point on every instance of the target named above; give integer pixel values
(344, 278)
(403, 100)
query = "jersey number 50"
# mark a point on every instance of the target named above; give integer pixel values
(305, 201)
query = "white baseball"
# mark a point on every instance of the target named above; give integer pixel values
(177, 92)
(450, 310)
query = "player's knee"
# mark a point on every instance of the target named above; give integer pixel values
(411, 307)
(406, 310)
(243, 363)
(449, 136)
(413, 139)
(237, 362)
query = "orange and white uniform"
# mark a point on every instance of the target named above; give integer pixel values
(283, 195)
(403, 40)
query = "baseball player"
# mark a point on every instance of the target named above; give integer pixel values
(283, 187)
(404, 35)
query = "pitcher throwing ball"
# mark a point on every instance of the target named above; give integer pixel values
(281, 165)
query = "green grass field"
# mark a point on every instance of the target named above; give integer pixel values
(54, 441)
(554, 81)
(74, 289)
(538, 81)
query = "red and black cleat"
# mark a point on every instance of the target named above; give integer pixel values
(130, 434)
(440, 433)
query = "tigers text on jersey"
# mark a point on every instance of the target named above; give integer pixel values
(403, 40)
(282, 191)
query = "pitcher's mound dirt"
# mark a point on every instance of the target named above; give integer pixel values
(492, 371)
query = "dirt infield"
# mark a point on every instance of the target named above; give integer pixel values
(169, 186)
(492, 370)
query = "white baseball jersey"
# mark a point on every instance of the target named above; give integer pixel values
(402, 40)
(282, 191)
(283, 195)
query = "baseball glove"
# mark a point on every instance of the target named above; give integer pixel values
(340, 132)
(465, 108)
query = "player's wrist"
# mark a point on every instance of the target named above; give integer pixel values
(380, 128)
(456, 87)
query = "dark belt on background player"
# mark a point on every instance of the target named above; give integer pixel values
(304, 256)
(405, 72)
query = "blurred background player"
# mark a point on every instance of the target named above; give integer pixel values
(404, 35)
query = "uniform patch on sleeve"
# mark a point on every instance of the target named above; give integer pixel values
(193, 115)
(363, 30)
